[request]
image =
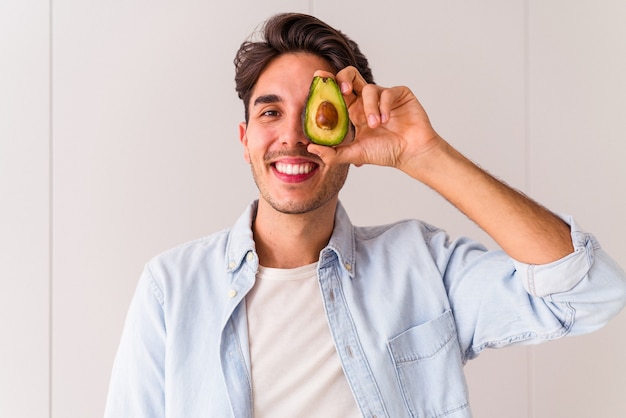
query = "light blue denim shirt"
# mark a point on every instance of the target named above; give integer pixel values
(407, 308)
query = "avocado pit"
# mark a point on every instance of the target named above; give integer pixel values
(326, 116)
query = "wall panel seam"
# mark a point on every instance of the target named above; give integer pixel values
(530, 364)
(50, 205)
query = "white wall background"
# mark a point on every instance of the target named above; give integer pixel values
(118, 139)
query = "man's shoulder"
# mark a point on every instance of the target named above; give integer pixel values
(211, 253)
(404, 227)
(195, 250)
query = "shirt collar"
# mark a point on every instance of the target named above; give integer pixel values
(241, 241)
(341, 243)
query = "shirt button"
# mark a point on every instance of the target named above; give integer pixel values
(232, 293)
(348, 266)
(232, 265)
(250, 256)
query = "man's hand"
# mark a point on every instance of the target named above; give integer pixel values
(391, 126)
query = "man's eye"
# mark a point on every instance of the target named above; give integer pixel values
(270, 113)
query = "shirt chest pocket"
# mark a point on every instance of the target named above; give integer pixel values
(429, 369)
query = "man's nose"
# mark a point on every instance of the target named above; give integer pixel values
(294, 132)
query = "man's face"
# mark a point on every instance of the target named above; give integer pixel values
(289, 179)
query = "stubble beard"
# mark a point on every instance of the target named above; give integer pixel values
(333, 183)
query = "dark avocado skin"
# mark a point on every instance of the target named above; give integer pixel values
(325, 89)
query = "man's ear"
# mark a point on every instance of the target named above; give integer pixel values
(243, 138)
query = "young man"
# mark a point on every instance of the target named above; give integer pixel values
(294, 312)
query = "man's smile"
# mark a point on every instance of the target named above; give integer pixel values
(294, 169)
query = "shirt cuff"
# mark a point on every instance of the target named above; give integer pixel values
(564, 274)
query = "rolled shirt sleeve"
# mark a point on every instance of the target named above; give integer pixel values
(587, 279)
(498, 301)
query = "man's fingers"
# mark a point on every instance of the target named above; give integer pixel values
(351, 80)
(388, 99)
(322, 73)
(371, 104)
(342, 154)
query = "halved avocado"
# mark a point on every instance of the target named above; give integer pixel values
(325, 118)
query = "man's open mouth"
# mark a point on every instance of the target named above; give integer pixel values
(294, 169)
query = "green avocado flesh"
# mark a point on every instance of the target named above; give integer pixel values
(325, 119)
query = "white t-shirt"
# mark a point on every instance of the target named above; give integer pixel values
(296, 370)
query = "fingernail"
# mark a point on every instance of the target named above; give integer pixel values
(372, 120)
(345, 87)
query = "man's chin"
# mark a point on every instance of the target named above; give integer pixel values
(294, 207)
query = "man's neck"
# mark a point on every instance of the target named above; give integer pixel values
(289, 241)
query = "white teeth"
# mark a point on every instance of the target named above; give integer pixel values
(293, 169)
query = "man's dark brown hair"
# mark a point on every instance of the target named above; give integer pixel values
(294, 32)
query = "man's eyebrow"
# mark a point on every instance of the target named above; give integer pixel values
(267, 98)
